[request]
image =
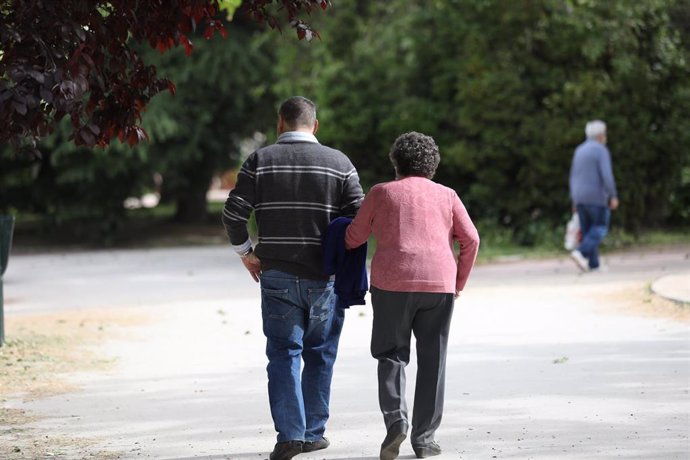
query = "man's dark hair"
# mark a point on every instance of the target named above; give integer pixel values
(298, 111)
(415, 154)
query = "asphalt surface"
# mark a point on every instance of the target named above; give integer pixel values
(544, 362)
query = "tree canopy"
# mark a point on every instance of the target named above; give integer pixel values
(505, 88)
(78, 59)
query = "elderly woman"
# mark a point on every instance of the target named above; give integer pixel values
(415, 279)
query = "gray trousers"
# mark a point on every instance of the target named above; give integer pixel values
(396, 316)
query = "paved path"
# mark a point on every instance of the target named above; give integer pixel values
(543, 362)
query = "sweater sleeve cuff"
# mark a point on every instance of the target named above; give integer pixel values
(243, 248)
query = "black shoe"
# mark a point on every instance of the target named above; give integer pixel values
(286, 450)
(390, 448)
(427, 450)
(311, 446)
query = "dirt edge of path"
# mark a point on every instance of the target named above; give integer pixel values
(642, 301)
(39, 353)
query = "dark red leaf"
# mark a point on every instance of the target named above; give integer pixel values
(38, 76)
(6, 94)
(187, 44)
(132, 138)
(186, 26)
(91, 69)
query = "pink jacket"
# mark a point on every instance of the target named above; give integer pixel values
(415, 222)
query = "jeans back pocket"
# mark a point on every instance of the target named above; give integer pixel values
(276, 304)
(321, 303)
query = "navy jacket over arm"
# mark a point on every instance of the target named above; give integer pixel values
(349, 267)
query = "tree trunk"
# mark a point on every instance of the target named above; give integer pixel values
(191, 206)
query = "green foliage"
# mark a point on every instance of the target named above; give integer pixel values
(229, 6)
(222, 98)
(77, 58)
(70, 184)
(506, 89)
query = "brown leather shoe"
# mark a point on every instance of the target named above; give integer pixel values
(311, 446)
(286, 450)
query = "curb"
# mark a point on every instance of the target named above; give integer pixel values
(674, 287)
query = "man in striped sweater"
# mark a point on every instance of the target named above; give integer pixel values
(295, 187)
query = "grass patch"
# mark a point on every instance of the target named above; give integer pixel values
(498, 245)
(141, 228)
(620, 239)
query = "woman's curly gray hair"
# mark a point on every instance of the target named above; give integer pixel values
(415, 154)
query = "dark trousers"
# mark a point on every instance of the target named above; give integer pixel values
(396, 316)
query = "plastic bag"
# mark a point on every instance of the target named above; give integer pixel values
(572, 233)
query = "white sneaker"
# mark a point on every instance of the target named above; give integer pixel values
(599, 269)
(580, 260)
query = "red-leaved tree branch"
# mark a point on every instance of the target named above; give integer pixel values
(260, 11)
(74, 58)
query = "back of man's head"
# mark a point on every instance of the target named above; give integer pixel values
(594, 129)
(298, 112)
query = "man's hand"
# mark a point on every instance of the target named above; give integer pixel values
(613, 203)
(457, 294)
(253, 266)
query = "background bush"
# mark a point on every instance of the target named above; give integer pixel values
(505, 88)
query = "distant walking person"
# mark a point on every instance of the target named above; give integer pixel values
(593, 193)
(415, 279)
(295, 187)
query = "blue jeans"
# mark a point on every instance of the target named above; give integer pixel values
(594, 224)
(301, 323)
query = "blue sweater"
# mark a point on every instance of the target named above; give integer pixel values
(591, 176)
(350, 267)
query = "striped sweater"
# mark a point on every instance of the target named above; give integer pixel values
(295, 187)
